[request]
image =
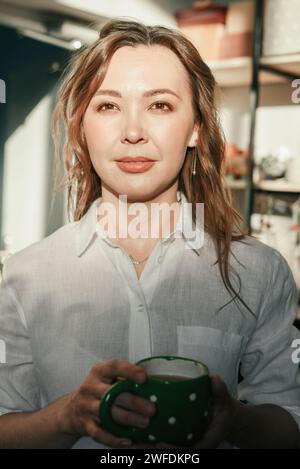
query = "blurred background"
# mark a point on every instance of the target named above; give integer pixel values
(253, 49)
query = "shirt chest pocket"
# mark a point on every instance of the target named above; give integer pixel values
(220, 351)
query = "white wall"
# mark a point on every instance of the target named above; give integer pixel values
(25, 178)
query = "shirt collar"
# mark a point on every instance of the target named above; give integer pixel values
(88, 228)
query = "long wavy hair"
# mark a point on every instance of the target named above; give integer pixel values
(80, 81)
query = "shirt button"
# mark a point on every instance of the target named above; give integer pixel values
(160, 259)
(141, 307)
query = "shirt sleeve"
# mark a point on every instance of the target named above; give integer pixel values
(269, 365)
(19, 390)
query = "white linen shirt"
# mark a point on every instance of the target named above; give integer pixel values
(74, 299)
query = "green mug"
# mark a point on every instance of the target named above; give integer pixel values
(179, 387)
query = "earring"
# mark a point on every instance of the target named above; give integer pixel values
(194, 162)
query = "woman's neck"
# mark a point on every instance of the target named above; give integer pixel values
(137, 225)
(157, 215)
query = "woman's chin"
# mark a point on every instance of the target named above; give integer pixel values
(135, 196)
(139, 194)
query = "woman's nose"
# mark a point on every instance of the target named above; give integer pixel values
(133, 130)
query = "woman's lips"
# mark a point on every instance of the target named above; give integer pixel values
(135, 166)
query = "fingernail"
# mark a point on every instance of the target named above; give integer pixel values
(151, 410)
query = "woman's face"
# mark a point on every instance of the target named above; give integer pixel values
(142, 108)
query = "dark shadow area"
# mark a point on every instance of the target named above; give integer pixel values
(31, 70)
(26, 67)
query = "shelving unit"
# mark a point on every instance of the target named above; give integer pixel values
(253, 72)
(238, 71)
(285, 66)
(282, 68)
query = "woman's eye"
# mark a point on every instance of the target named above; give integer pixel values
(162, 106)
(108, 105)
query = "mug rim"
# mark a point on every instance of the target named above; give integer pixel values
(199, 364)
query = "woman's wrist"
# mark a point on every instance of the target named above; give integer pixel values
(65, 416)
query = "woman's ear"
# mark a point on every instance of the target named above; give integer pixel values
(194, 137)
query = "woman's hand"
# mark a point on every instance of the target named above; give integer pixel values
(82, 409)
(224, 410)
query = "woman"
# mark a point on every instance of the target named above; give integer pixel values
(79, 308)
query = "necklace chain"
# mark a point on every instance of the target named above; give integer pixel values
(136, 261)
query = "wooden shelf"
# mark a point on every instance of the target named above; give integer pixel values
(287, 63)
(238, 71)
(278, 186)
(268, 186)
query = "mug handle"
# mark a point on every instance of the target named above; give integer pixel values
(107, 400)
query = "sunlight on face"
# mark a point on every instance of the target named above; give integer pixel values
(126, 117)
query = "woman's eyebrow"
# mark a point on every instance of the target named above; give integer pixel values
(147, 94)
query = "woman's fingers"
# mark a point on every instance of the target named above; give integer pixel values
(95, 431)
(127, 410)
(136, 404)
(125, 417)
(110, 370)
